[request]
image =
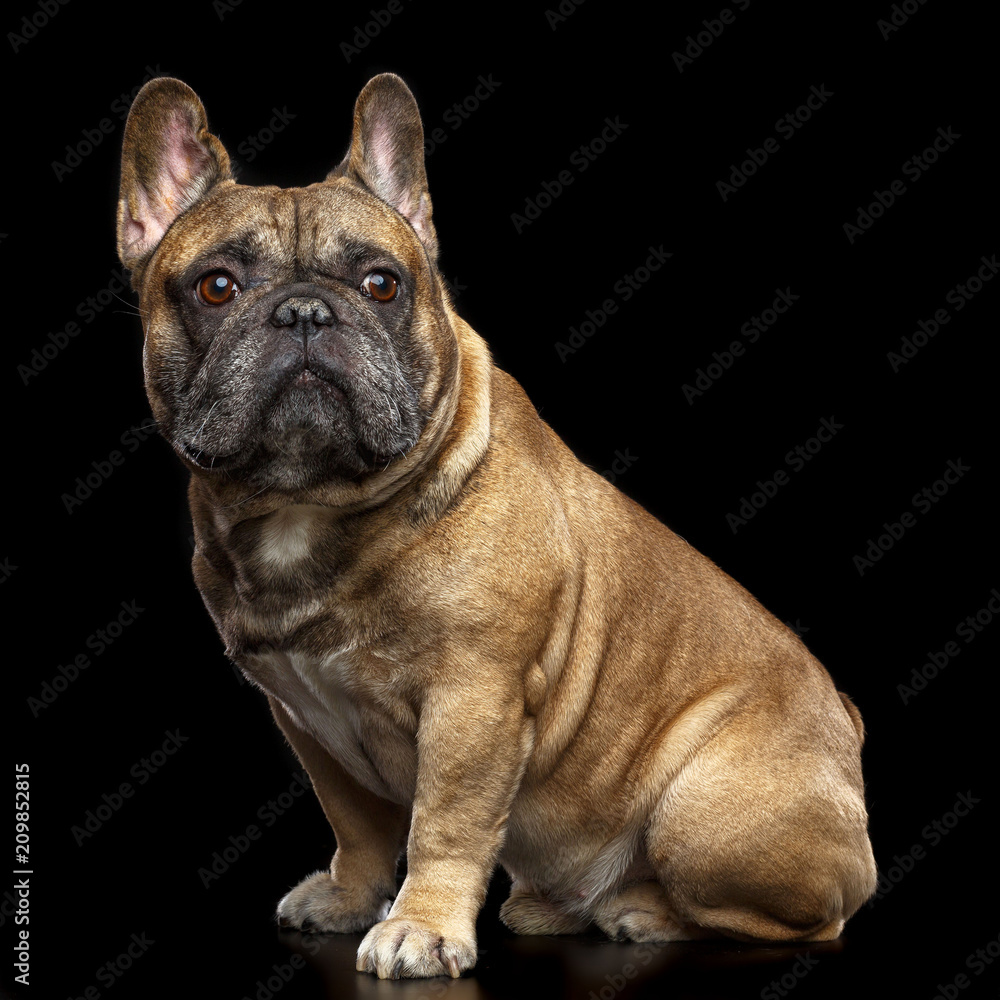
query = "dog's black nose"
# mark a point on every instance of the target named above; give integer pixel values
(303, 315)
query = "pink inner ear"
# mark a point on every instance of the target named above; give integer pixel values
(420, 217)
(183, 165)
(181, 176)
(380, 146)
(140, 230)
(392, 184)
(380, 151)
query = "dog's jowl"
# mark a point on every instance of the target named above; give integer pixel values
(481, 651)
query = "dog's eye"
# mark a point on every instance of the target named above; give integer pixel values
(379, 285)
(217, 288)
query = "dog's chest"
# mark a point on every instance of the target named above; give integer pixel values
(375, 743)
(296, 645)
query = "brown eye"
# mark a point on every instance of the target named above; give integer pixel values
(379, 285)
(217, 288)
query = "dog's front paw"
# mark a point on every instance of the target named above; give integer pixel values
(318, 905)
(413, 949)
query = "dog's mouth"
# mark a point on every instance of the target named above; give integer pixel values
(316, 377)
(204, 460)
(309, 379)
(306, 389)
(312, 421)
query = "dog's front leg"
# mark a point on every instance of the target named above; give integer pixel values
(355, 892)
(472, 744)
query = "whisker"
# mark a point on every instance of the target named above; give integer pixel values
(230, 506)
(204, 422)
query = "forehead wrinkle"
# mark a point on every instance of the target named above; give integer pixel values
(306, 236)
(277, 228)
(333, 223)
(317, 238)
(281, 218)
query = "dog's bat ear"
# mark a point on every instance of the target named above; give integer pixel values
(387, 153)
(169, 161)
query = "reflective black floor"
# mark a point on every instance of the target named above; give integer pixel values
(883, 946)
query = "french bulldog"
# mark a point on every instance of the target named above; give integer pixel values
(480, 650)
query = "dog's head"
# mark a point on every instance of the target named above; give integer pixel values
(294, 337)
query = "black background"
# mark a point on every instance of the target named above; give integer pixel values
(69, 566)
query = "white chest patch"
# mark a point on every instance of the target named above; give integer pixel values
(316, 693)
(286, 534)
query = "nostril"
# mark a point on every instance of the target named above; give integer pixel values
(298, 309)
(285, 315)
(303, 317)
